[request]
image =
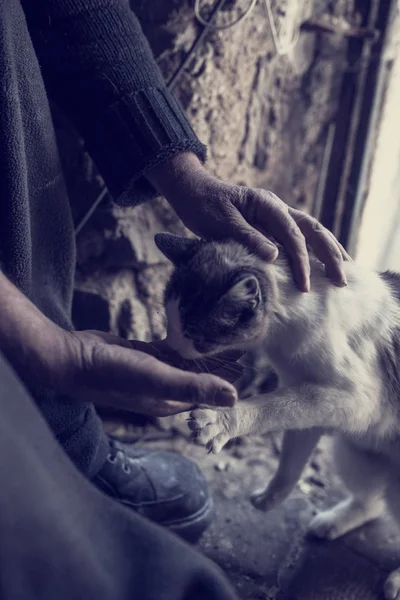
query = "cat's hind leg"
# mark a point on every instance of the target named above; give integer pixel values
(365, 477)
(296, 449)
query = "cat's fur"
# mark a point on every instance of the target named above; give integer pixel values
(336, 352)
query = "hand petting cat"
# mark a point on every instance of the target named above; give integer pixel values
(213, 209)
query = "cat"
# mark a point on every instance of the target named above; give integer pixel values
(336, 353)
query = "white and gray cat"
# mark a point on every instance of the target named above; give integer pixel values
(336, 352)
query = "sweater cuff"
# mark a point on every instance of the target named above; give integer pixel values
(134, 135)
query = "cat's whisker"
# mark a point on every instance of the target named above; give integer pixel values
(202, 364)
(228, 362)
(233, 362)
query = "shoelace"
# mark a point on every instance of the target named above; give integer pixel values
(117, 451)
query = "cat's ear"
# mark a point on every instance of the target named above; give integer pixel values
(246, 291)
(175, 247)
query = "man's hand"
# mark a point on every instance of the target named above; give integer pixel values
(213, 209)
(106, 369)
(134, 376)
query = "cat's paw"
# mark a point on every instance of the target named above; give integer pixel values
(392, 586)
(344, 517)
(268, 498)
(212, 428)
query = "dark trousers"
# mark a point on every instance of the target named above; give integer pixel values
(60, 538)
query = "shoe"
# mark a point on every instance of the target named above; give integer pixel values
(162, 486)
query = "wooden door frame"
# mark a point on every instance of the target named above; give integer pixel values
(361, 99)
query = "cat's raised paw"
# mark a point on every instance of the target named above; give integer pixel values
(212, 428)
(392, 586)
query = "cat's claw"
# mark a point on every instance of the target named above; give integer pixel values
(212, 428)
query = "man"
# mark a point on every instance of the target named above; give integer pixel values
(90, 56)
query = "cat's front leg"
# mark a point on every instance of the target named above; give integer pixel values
(299, 407)
(310, 405)
(215, 427)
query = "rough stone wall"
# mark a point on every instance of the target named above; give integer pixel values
(263, 116)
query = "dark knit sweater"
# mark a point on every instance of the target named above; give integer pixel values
(91, 57)
(98, 67)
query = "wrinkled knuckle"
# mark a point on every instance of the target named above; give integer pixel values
(90, 356)
(336, 256)
(270, 196)
(295, 212)
(257, 197)
(293, 229)
(238, 195)
(276, 207)
(295, 233)
(332, 248)
(248, 207)
(265, 195)
(315, 225)
(308, 224)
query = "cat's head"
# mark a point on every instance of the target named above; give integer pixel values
(217, 297)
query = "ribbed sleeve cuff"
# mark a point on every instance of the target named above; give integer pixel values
(136, 134)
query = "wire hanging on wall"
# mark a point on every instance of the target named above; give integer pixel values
(283, 49)
(215, 27)
(206, 28)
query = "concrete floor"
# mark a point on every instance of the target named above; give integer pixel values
(267, 556)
